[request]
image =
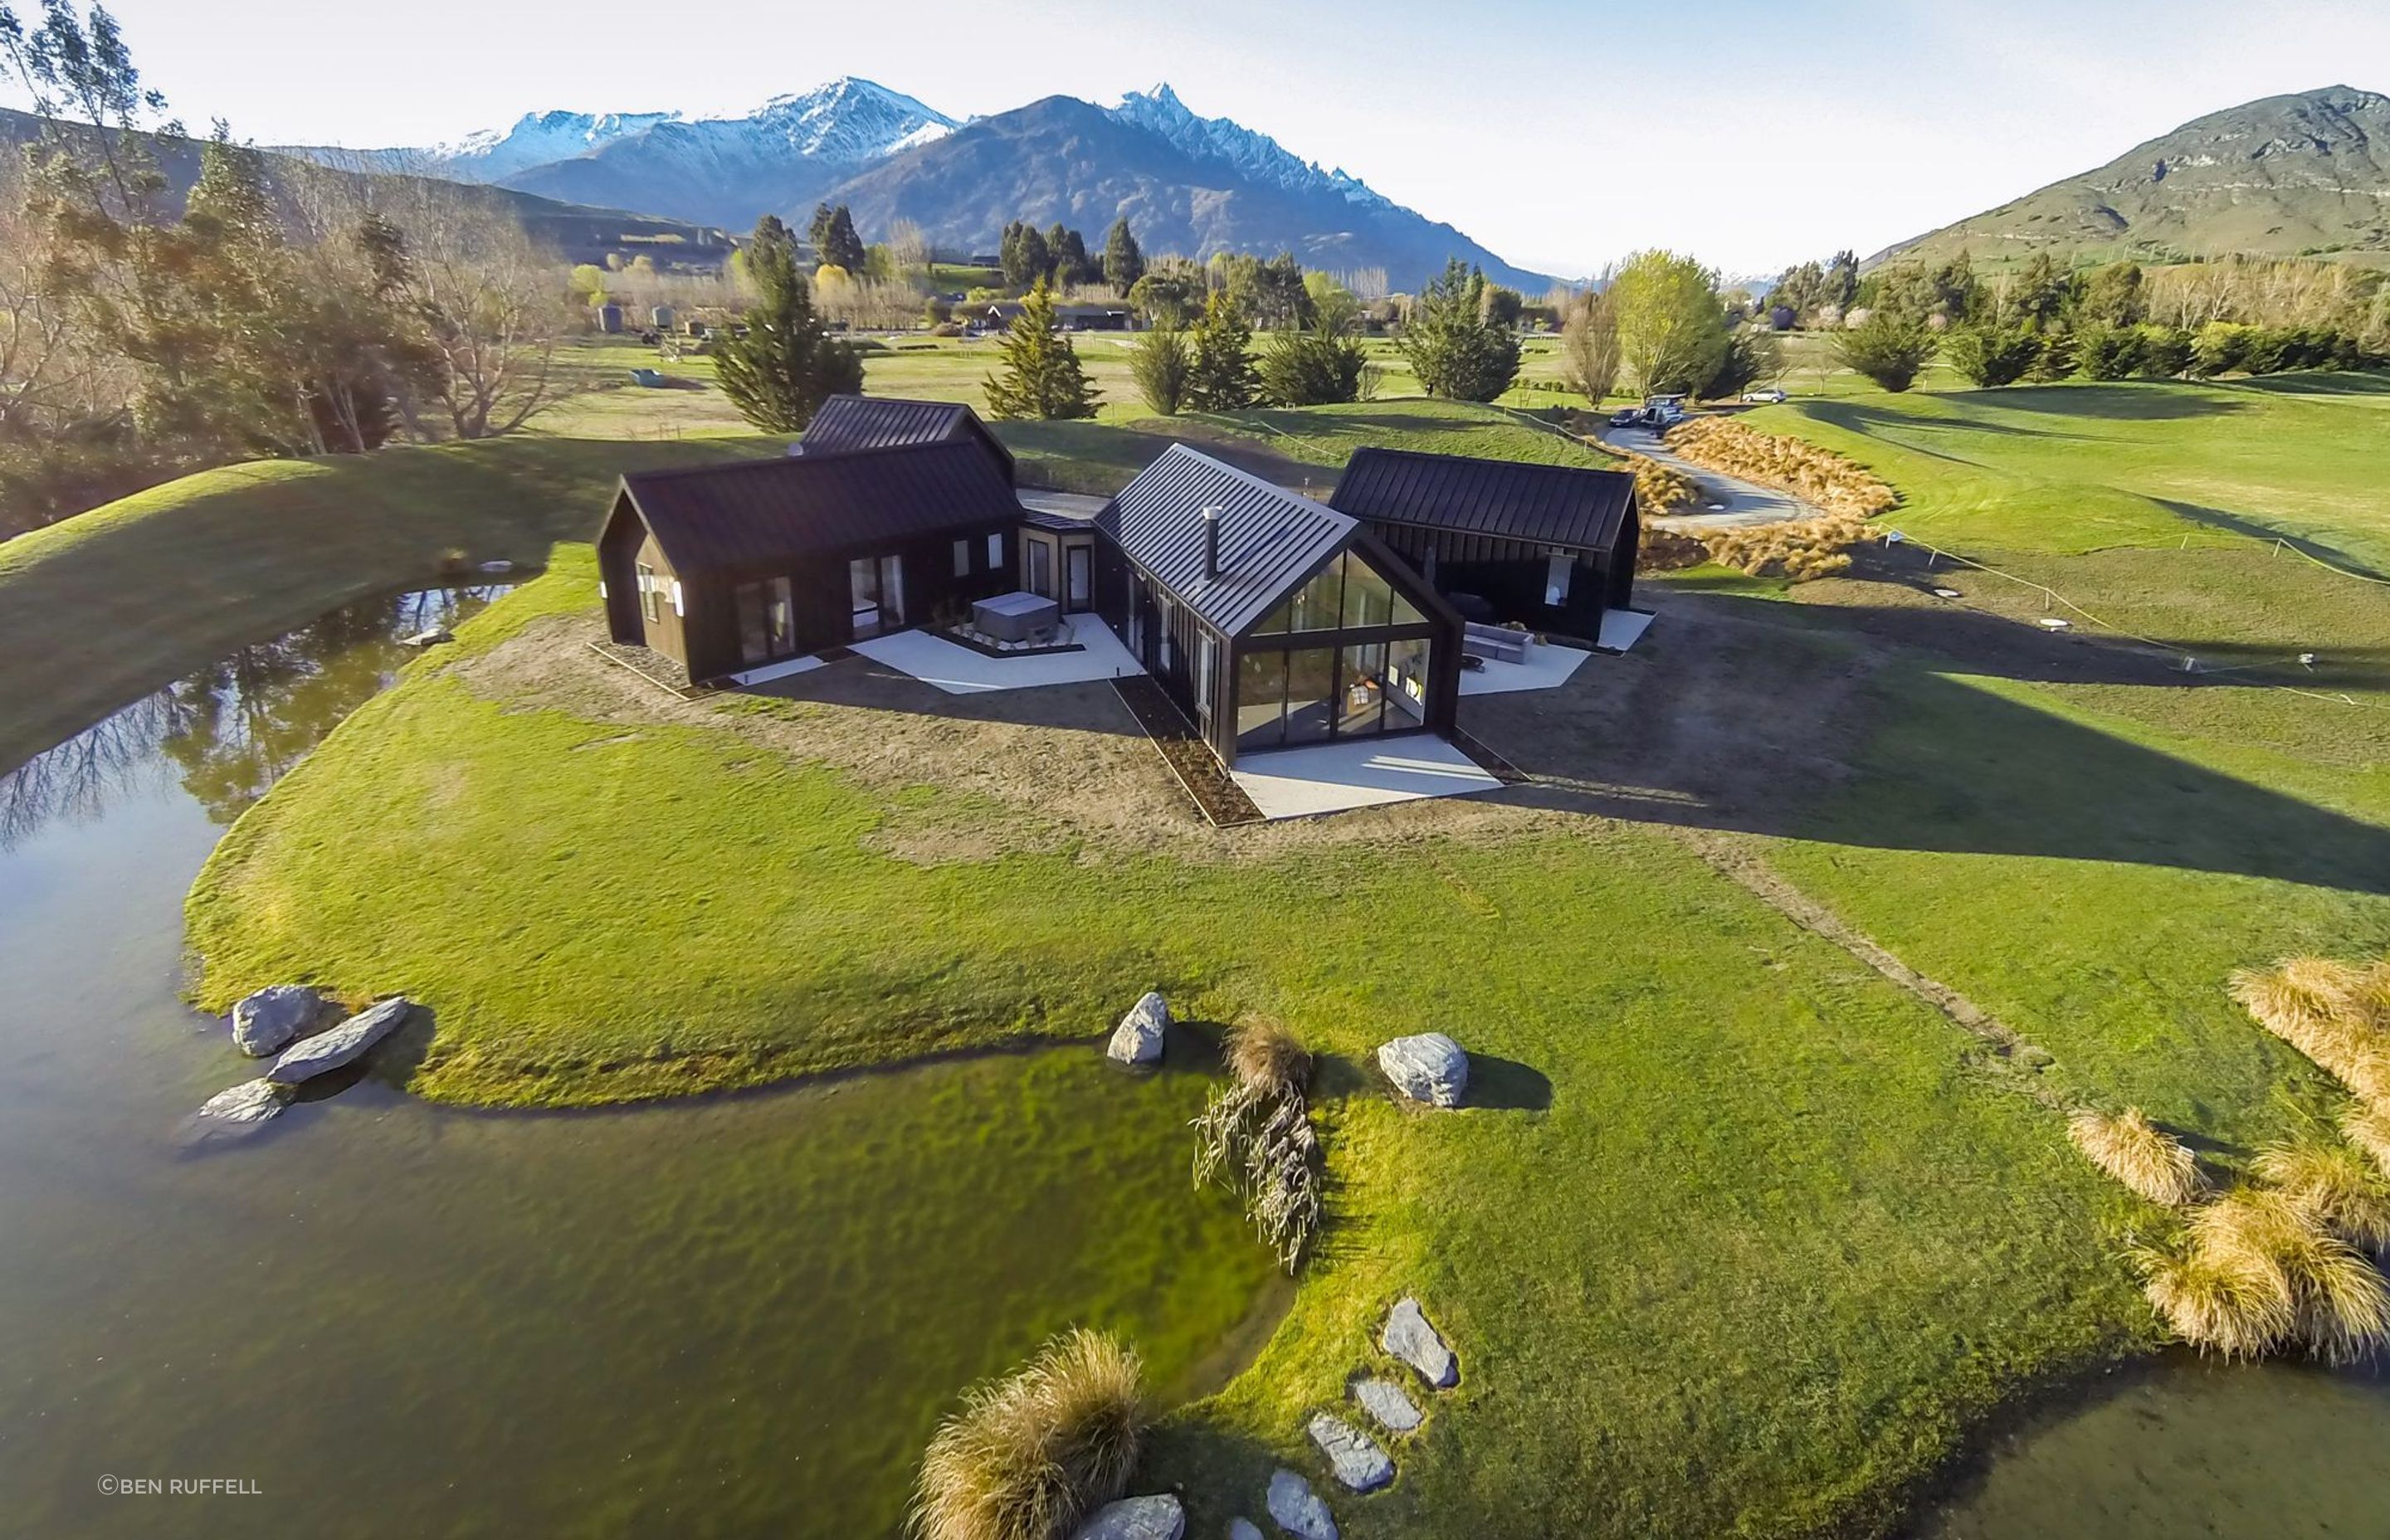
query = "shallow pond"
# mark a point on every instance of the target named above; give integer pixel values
(729, 1317)
(2182, 1448)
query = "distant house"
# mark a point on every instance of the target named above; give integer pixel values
(1074, 316)
(1275, 621)
(1551, 547)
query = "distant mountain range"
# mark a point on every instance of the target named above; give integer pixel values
(2308, 173)
(1187, 184)
(575, 231)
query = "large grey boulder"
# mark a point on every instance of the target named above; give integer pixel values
(1298, 1510)
(268, 1019)
(1155, 1517)
(344, 1045)
(250, 1101)
(1429, 1068)
(1384, 1401)
(1352, 1454)
(1409, 1338)
(1138, 1039)
(1244, 1529)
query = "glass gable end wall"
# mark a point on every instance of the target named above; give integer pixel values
(1346, 656)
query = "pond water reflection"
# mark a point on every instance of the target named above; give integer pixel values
(733, 1317)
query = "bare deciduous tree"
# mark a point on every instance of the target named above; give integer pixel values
(489, 301)
(1589, 345)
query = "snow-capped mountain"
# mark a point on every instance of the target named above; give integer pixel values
(1259, 157)
(1187, 184)
(723, 170)
(536, 138)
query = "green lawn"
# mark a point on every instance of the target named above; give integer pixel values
(1741, 1239)
(2079, 467)
(1735, 1240)
(96, 611)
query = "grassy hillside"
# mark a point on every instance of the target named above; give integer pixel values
(2281, 176)
(98, 610)
(2075, 468)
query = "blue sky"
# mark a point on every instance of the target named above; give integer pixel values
(1560, 135)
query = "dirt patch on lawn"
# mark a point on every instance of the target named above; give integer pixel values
(1717, 719)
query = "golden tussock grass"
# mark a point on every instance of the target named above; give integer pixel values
(2368, 1129)
(2340, 1305)
(2335, 1013)
(2143, 1157)
(1032, 1454)
(1266, 1059)
(1800, 549)
(2218, 1302)
(1835, 482)
(1666, 551)
(2334, 1186)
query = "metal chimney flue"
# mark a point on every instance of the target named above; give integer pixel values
(1212, 542)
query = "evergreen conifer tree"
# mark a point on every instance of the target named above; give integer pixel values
(1040, 377)
(779, 374)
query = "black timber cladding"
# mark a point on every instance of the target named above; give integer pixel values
(1270, 539)
(845, 423)
(1544, 505)
(759, 512)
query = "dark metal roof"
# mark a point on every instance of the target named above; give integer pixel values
(1270, 538)
(756, 511)
(845, 423)
(1544, 505)
(1061, 523)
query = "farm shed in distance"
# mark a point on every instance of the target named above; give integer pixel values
(1274, 620)
(728, 567)
(1553, 547)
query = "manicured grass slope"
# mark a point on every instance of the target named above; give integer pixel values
(106, 605)
(1733, 1240)
(2077, 467)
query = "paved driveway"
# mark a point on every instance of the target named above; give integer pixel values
(1738, 502)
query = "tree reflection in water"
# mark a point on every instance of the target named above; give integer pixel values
(231, 730)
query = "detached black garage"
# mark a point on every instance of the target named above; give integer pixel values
(1549, 546)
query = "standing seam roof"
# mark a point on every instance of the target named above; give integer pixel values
(1270, 539)
(1546, 504)
(845, 423)
(758, 511)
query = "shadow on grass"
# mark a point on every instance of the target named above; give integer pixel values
(2373, 383)
(1799, 721)
(1507, 1085)
(2218, 519)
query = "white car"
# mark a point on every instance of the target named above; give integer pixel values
(1771, 396)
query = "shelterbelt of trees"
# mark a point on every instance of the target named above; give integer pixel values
(273, 311)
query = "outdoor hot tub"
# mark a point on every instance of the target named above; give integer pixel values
(1014, 617)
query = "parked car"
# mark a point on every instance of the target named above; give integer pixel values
(1627, 417)
(1770, 395)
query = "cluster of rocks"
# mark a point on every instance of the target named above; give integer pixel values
(288, 1022)
(1355, 1457)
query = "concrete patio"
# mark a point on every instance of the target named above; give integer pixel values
(960, 671)
(1547, 666)
(1336, 777)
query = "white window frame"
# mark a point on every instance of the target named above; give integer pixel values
(1559, 567)
(962, 558)
(996, 552)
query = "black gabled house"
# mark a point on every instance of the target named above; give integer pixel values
(726, 568)
(1549, 546)
(1276, 622)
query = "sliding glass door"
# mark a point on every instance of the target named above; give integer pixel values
(876, 587)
